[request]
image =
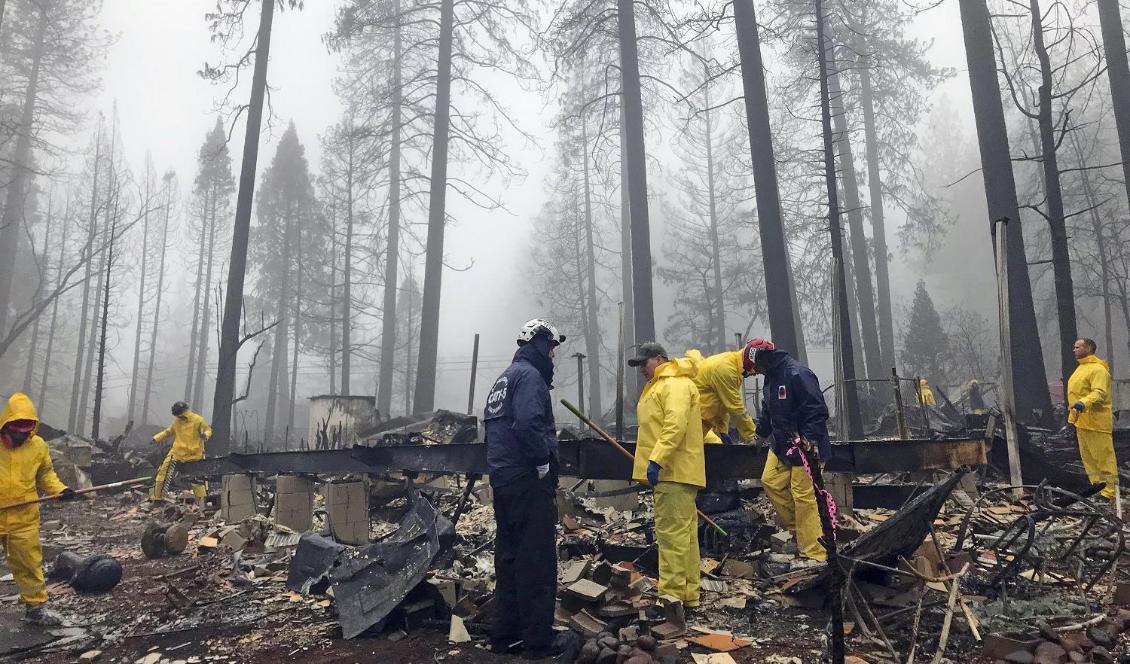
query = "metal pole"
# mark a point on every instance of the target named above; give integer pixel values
(620, 377)
(1007, 394)
(580, 379)
(474, 373)
(900, 412)
(738, 339)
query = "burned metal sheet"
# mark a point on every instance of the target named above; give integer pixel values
(312, 561)
(370, 582)
(896, 537)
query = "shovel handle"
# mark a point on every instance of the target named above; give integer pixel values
(78, 492)
(612, 441)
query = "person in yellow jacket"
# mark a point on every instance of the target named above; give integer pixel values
(189, 432)
(669, 457)
(1088, 392)
(925, 394)
(25, 469)
(719, 379)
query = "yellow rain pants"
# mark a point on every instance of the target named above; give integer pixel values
(790, 490)
(24, 554)
(1096, 448)
(167, 473)
(676, 531)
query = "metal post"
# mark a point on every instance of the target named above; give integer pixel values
(1007, 393)
(580, 379)
(738, 339)
(900, 412)
(620, 377)
(474, 373)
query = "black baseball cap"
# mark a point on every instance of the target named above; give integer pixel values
(645, 352)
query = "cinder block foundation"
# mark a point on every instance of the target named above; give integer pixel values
(237, 498)
(347, 511)
(294, 502)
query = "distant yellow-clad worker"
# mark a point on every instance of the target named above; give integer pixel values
(1088, 392)
(720, 379)
(669, 457)
(189, 432)
(25, 469)
(925, 394)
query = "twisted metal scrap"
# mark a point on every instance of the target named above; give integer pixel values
(1063, 533)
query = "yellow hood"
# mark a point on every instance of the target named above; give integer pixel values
(1090, 359)
(680, 366)
(20, 407)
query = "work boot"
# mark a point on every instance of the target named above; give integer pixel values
(41, 615)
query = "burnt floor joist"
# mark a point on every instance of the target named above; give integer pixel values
(593, 459)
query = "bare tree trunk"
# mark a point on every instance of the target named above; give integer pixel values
(1028, 375)
(633, 379)
(408, 367)
(1061, 257)
(783, 320)
(278, 355)
(719, 306)
(878, 219)
(97, 323)
(134, 374)
(1100, 245)
(847, 359)
(860, 265)
(42, 400)
(297, 341)
(425, 392)
(392, 251)
(206, 323)
(333, 295)
(1114, 42)
(592, 328)
(636, 153)
(237, 266)
(157, 307)
(100, 382)
(92, 233)
(12, 221)
(347, 277)
(33, 343)
(197, 332)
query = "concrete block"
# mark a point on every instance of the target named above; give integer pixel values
(237, 498)
(347, 511)
(294, 503)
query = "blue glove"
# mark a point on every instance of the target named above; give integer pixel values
(726, 439)
(653, 473)
(1079, 406)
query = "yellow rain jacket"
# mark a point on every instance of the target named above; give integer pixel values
(24, 471)
(1090, 383)
(926, 395)
(189, 432)
(719, 381)
(670, 426)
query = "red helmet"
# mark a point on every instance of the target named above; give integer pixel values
(752, 347)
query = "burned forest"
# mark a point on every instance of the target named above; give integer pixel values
(573, 331)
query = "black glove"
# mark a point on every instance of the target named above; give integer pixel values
(67, 494)
(726, 439)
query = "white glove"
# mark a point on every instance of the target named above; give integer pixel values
(543, 470)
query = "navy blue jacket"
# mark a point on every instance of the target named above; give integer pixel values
(791, 403)
(520, 431)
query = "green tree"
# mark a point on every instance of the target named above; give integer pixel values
(926, 345)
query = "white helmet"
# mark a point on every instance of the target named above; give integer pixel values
(537, 326)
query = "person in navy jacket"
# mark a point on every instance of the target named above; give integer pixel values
(792, 406)
(521, 438)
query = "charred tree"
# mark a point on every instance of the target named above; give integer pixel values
(847, 359)
(134, 373)
(424, 399)
(592, 305)
(1118, 73)
(1033, 400)
(100, 382)
(774, 252)
(53, 327)
(169, 179)
(392, 249)
(33, 344)
(636, 166)
(92, 232)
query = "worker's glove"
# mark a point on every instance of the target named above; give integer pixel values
(653, 473)
(1079, 406)
(726, 439)
(811, 448)
(543, 470)
(67, 494)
